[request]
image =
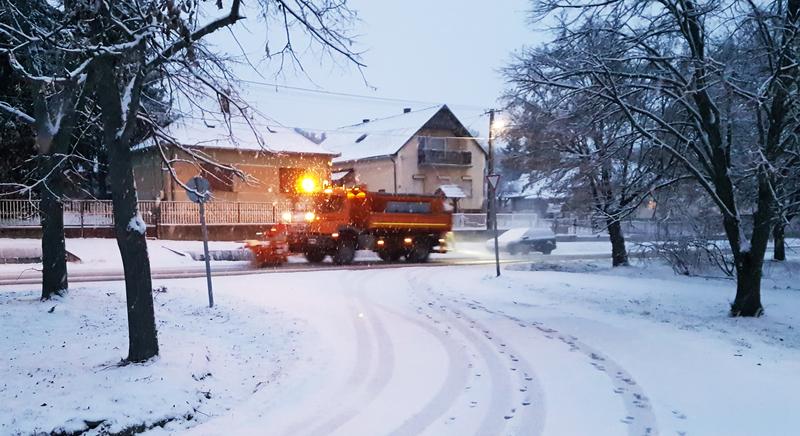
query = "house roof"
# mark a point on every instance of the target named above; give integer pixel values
(523, 187)
(339, 175)
(384, 136)
(259, 134)
(452, 191)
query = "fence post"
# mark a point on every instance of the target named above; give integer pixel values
(238, 213)
(81, 213)
(157, 218)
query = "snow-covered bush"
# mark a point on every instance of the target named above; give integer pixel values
(691, 255)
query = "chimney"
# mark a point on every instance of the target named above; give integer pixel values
(406, 110)
(365, 120)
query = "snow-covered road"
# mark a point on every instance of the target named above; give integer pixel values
(430, 351)
(457, 351)
(388, 359)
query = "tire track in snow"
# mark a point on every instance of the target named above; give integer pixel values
(532, 416)
(382, 369)
(640, 417)
(347, 388)
(450, 391)
(530, 404)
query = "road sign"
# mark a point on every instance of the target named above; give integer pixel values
(493, 179)
(198, 189)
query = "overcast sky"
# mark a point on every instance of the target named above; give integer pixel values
(426, 51)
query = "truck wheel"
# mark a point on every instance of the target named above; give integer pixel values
(526, 249)
(314, 256)
(547, 251)
(419, 252)
(345, 252)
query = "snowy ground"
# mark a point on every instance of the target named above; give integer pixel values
(100, 258)
(566, 348)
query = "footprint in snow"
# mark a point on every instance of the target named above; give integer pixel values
(678, 414)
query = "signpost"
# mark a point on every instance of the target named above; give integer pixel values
(199, 191)
(493, 179)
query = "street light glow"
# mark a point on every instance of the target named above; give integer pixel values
(498, 126)
(308, 184)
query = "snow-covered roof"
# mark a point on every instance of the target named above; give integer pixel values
(259, 134)
(339, 175)
(378, 137)
(452, 191)
(524, 188)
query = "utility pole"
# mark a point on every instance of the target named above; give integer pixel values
(492, 179)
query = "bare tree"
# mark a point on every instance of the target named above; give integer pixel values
(32, 31)
(668, 74)
(128, 44)
(585, 148)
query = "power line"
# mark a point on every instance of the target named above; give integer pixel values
(254, 123)
(335, 94)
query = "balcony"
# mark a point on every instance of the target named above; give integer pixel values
(442, 157)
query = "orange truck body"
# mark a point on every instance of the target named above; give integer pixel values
(393, 225)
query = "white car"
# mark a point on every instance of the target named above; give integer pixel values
(524, 240)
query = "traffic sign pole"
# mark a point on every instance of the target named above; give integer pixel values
(199, 191)
(205, 252)
(493, 179)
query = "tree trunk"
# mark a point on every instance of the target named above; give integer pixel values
(54, 250)
(142, 335)
(778, 236)
(748, 286)
(143, 341)
(750, 260)
(619, 255)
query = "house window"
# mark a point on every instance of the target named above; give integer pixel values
(220, 179)
(466, 186)
(432, 143)
(407, 207)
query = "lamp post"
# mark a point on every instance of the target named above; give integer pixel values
(492, 180)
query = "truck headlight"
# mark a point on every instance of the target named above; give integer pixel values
(310, 216)
(286, 217)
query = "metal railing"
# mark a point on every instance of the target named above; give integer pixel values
(100, 213)
(505, 221)
(441, 157)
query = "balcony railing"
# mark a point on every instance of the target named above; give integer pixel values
(441, 157)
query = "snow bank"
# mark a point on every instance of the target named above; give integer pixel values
(61, 372)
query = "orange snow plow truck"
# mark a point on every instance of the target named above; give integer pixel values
(393, 225)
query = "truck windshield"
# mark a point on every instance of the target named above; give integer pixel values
(329, 203)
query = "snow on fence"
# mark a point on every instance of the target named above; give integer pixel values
(99, 213)
(505, 221)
